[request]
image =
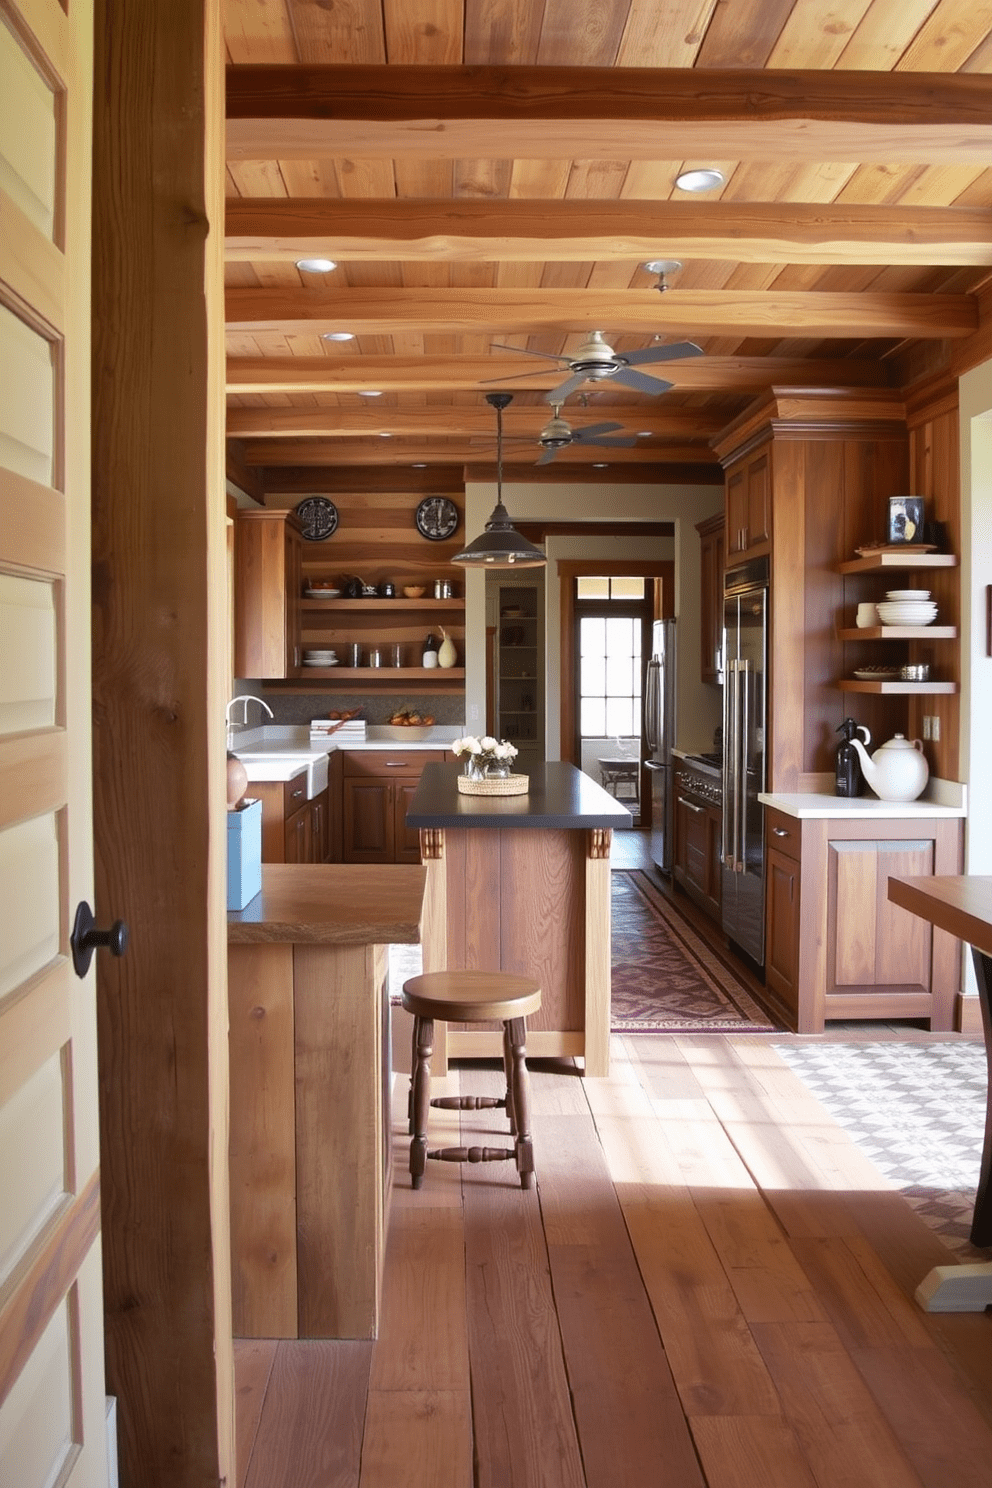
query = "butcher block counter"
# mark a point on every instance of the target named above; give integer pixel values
(310, 1076)
(522, 884)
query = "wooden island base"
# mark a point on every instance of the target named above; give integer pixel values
(310, 1143)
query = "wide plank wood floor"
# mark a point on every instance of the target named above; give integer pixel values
(709, 1285)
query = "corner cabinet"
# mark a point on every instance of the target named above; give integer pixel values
(835, 946)
(748, 530)
(268, 582)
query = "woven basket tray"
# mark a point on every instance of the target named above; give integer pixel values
(494, 785)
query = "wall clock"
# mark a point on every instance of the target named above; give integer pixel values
(318, 517)
(437, 518)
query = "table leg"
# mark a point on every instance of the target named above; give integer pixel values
(981, 1224)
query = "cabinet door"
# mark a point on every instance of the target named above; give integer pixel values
(782, 924)
(268, 568)
(368, 821)
(710, 600)
(873, 946)
(759, 502)
(714, 848)
(297, 836)
(407, 839)
(736, 539)
(293, 599)
(319, 842)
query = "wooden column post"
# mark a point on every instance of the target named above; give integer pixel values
(159, 684)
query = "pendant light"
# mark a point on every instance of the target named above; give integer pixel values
(500, 545)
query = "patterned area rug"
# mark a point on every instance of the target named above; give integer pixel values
(665, 976)
(918, 1111)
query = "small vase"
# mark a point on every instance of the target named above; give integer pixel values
(498, 769)
(474, 770)
(446, 654)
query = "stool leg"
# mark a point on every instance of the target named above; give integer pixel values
(508, 1071)
(520, 1084)
(423, 1044)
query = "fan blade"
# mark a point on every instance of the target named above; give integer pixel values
(547, 456)
(522, 351)
(591, 431)
(565, 389)
(673, 353)
(615, 443)
(641, 384)
(513, 376)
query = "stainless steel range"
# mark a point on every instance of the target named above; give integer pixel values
(698, 829)
(701, 776)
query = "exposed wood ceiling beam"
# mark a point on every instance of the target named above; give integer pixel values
(682, 312)
(443, 422)
(279, 229)
(435, 452)
(344, 374)
(309, 112)
(290, 480)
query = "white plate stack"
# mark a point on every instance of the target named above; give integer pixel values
(320, 658)
(906, 607)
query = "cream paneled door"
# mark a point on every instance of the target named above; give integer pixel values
(52, 1401)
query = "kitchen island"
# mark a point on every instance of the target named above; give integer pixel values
(310, 1141)
(522, 884)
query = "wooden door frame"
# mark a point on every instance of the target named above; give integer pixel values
(661, 570)
(160, 669)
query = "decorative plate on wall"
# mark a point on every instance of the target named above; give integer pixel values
(437, 518)
(318, 517)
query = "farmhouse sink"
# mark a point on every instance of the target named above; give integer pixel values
(286, 764)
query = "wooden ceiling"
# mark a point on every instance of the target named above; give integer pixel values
(500, 171)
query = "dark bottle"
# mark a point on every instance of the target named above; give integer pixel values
(849, 777)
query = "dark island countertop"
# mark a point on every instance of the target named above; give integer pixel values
(560, 797)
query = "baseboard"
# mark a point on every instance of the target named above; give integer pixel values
(968, 1016)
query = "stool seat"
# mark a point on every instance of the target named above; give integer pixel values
(472, 997)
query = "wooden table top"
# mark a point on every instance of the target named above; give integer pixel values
(961, 905)
(333, 904)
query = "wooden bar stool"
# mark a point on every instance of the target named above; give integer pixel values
(472, 997)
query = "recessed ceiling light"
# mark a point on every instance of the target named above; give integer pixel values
(337, 336)
(600, 465)
(385, 434)
(419, 465)
(316, 265)
(644, 433)
(370, 392)
(700, 180)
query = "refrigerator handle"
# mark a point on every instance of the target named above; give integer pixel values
(731, 750)
(651, 708)
(742, 766)
(724, 833)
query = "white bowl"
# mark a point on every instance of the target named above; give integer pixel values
(909, 595)
(894, 614)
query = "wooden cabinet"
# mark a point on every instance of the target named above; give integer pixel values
(268, 579)
(711, 548)
(836, 947)
(519, 667)
(749, 506)
(376, 789)
(782, 911)
(294, 830)
(696, 857)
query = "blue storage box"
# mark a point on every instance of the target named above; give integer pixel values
(244, 854)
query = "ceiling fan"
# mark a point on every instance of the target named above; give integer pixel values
(558, 434)
(595, 361)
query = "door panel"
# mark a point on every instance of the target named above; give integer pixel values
(51, 1322)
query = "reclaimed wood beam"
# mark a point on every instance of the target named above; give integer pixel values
(441, 422)
(283, 230)
(355, 374)
(683, 312)
(436, 452)
(311, 112)
(352, 479)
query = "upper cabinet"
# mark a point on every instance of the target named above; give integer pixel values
(711, 540)
(748, 530)
(268, 585)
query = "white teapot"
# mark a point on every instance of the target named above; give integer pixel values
(897, 771)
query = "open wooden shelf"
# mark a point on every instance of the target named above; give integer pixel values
(897, 686)
(384, 674)
(899, 633)
(424, 603)
(880, 561)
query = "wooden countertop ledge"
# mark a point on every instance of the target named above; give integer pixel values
(333, 904)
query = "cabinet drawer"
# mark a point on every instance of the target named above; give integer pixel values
(784, 833)
(359, 763)
(294, 794)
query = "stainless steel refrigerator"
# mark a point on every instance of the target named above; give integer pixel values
(659, 736)
(745, 612)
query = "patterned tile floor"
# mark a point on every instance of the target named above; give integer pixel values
(917, 1110)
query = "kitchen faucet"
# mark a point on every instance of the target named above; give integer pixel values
(246, 698)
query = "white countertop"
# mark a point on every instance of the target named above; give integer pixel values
(813, 804)
(281, 752)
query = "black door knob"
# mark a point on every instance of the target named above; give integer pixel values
(85, 938)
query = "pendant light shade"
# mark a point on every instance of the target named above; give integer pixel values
(500, 545)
